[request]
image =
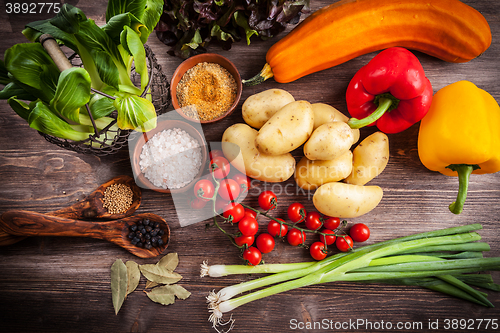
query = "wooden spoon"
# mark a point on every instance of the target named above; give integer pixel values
(92, 207)
(25, 223)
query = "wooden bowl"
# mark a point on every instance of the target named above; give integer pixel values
(193, 61)
(141, 179)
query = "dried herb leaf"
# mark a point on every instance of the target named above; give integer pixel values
(118, 284)
(180, 291)
(133, 274)
(166, 294)
(151, 284)
(159, 274)
(163, 295)
(170, 261)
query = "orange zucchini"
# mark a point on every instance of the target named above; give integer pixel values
(447, 29)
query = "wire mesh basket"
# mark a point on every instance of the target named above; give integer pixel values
(110, 140)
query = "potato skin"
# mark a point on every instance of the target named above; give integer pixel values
(309, 175)
(258, 108)
(238, 145)
(370, 158)
(288, 129)
(324, 113)
(329, 141)
(346, 200)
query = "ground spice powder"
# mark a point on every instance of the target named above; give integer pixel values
(206, 91)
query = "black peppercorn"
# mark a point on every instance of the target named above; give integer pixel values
(145, 233)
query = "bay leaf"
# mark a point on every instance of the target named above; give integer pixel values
(159, 274)
(119, 281)
(169, 261)
(180, 291)
(133, 275)
(151, 284)
(163, 295)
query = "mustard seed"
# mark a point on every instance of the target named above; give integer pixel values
(117, 198)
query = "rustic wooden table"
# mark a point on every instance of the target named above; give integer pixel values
(62, 284)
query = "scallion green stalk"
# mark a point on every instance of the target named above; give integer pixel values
(224, 270)
(324, 271)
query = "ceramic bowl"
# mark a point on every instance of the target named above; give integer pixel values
(193, 61)
(141, 140)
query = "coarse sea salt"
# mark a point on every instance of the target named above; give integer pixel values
(171, 159)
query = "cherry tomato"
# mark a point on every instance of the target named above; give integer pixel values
(252, 255)
(215, 152)
(313, 221)
(229, 189)
(296, 237)
(265, 243)
(296, 212)
(248, 240)
(234, 212)
(220, 167)
(359, 232)
(329, 239)
(318, 251)
(268, 200)
(198, 203)
(331, 223)
(243, 181)
(204, 188)
(276, 229)
(248, 226)
(250, 213)
(344, 243)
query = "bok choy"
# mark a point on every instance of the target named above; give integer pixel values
(57, 103)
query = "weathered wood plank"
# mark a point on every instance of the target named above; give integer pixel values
(61, 284)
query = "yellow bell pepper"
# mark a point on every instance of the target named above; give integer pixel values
(460, 135)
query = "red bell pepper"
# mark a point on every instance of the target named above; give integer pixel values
(391, 91)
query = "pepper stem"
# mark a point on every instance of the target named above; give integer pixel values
(385, 102)
(464, 171)
(383, 105)
(264, 74)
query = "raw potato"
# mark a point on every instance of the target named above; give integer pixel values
(309, 175)
(324, 113)
(346, 200)
(329, 141)
(288, 129)
(258, 108)
(238, 145)
(370, 158)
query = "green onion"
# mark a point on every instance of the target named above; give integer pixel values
(420, 259)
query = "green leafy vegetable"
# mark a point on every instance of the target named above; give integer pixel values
(32, 69)
(108, 55)
(188, 27)
(135, 112)
(72, 93)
